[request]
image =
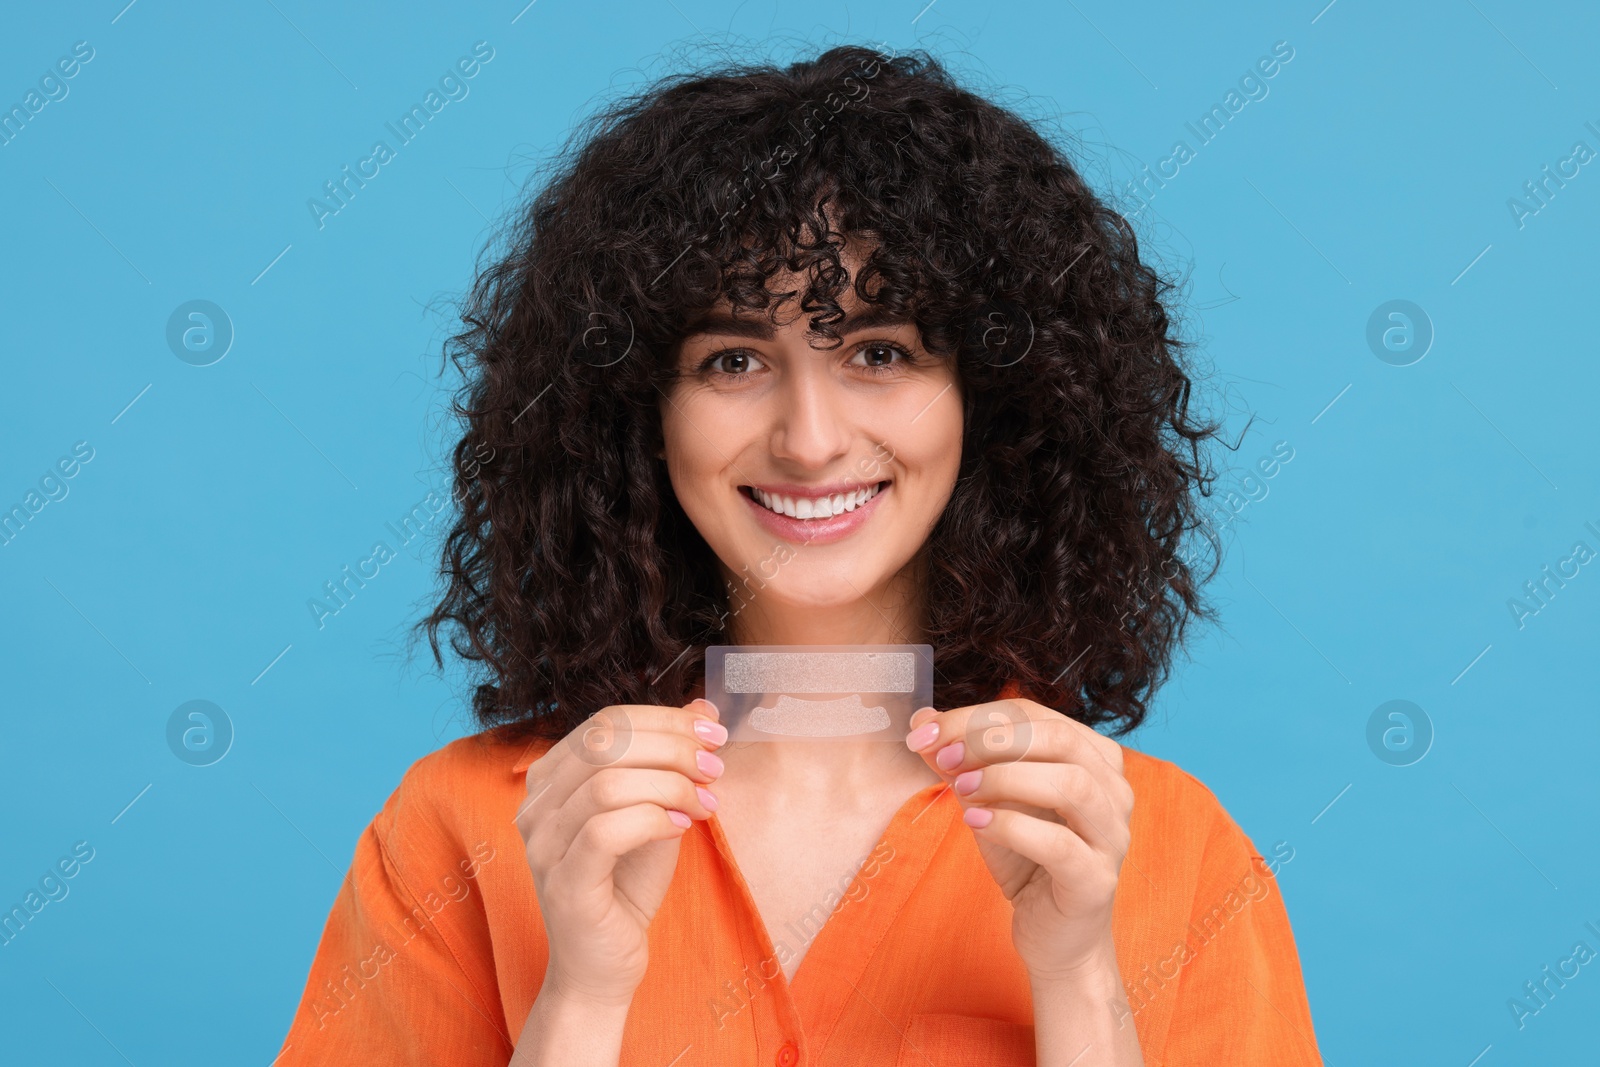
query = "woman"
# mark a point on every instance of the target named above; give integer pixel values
(832, 354)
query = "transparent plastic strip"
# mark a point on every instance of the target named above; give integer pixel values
(818, 692)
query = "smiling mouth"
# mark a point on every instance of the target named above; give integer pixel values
(812, 507)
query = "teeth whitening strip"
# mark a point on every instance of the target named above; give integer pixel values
(818, 692)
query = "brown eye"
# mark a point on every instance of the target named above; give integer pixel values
(735, 362)
(879, 356)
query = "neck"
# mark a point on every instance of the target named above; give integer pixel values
(853, 775)
(837, 776)
(890, 614)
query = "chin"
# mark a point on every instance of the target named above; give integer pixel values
(833, 587)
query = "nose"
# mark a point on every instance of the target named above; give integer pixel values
(812, 427)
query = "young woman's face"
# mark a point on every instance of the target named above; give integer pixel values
(856, 447)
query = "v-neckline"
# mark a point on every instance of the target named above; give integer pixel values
(920, 819)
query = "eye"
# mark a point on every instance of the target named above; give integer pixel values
(737, 362)
(880, 357)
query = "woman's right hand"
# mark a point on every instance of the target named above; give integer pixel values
(605, 810)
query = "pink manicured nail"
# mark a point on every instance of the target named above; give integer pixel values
(707, 797)
(951, 755)
(977, 818)
(968, 781)
(708, 763)
(712, 732)
(922, 736)
(679, 818)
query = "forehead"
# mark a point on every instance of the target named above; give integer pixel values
(721, 321)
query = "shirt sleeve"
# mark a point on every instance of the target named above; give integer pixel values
(1241, 998)
(386, 989)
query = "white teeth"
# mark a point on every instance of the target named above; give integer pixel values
(819, 508)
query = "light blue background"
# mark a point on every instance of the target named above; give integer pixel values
(1378, 566)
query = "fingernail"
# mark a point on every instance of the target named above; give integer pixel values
(713, 732)
(678, 818)
(708, 763)
(977, 818)
(712, 707)
(951, 755)
(922, 736)
(707, 797)
(967, 781)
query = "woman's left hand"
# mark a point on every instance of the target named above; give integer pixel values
(1048, 803)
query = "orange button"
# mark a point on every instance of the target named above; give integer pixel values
(788, 1055)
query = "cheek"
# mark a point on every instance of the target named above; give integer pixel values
(698, 439)
(931, 447)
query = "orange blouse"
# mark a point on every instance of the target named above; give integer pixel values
(434, 950)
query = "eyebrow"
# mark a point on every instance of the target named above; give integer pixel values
(760, 329)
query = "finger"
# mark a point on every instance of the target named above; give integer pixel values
(606, 838)
(1064, 740)
(624, 736)
(613, 789)
(1067, 789)
(674, 752)
(993, 732)
(605, 737)
(1065, 855)
(995, 735)
(1005, 729)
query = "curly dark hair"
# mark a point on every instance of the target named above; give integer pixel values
(574, 577)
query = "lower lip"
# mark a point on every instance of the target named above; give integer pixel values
(815, 531)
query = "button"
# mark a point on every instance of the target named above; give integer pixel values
(788, 1055)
